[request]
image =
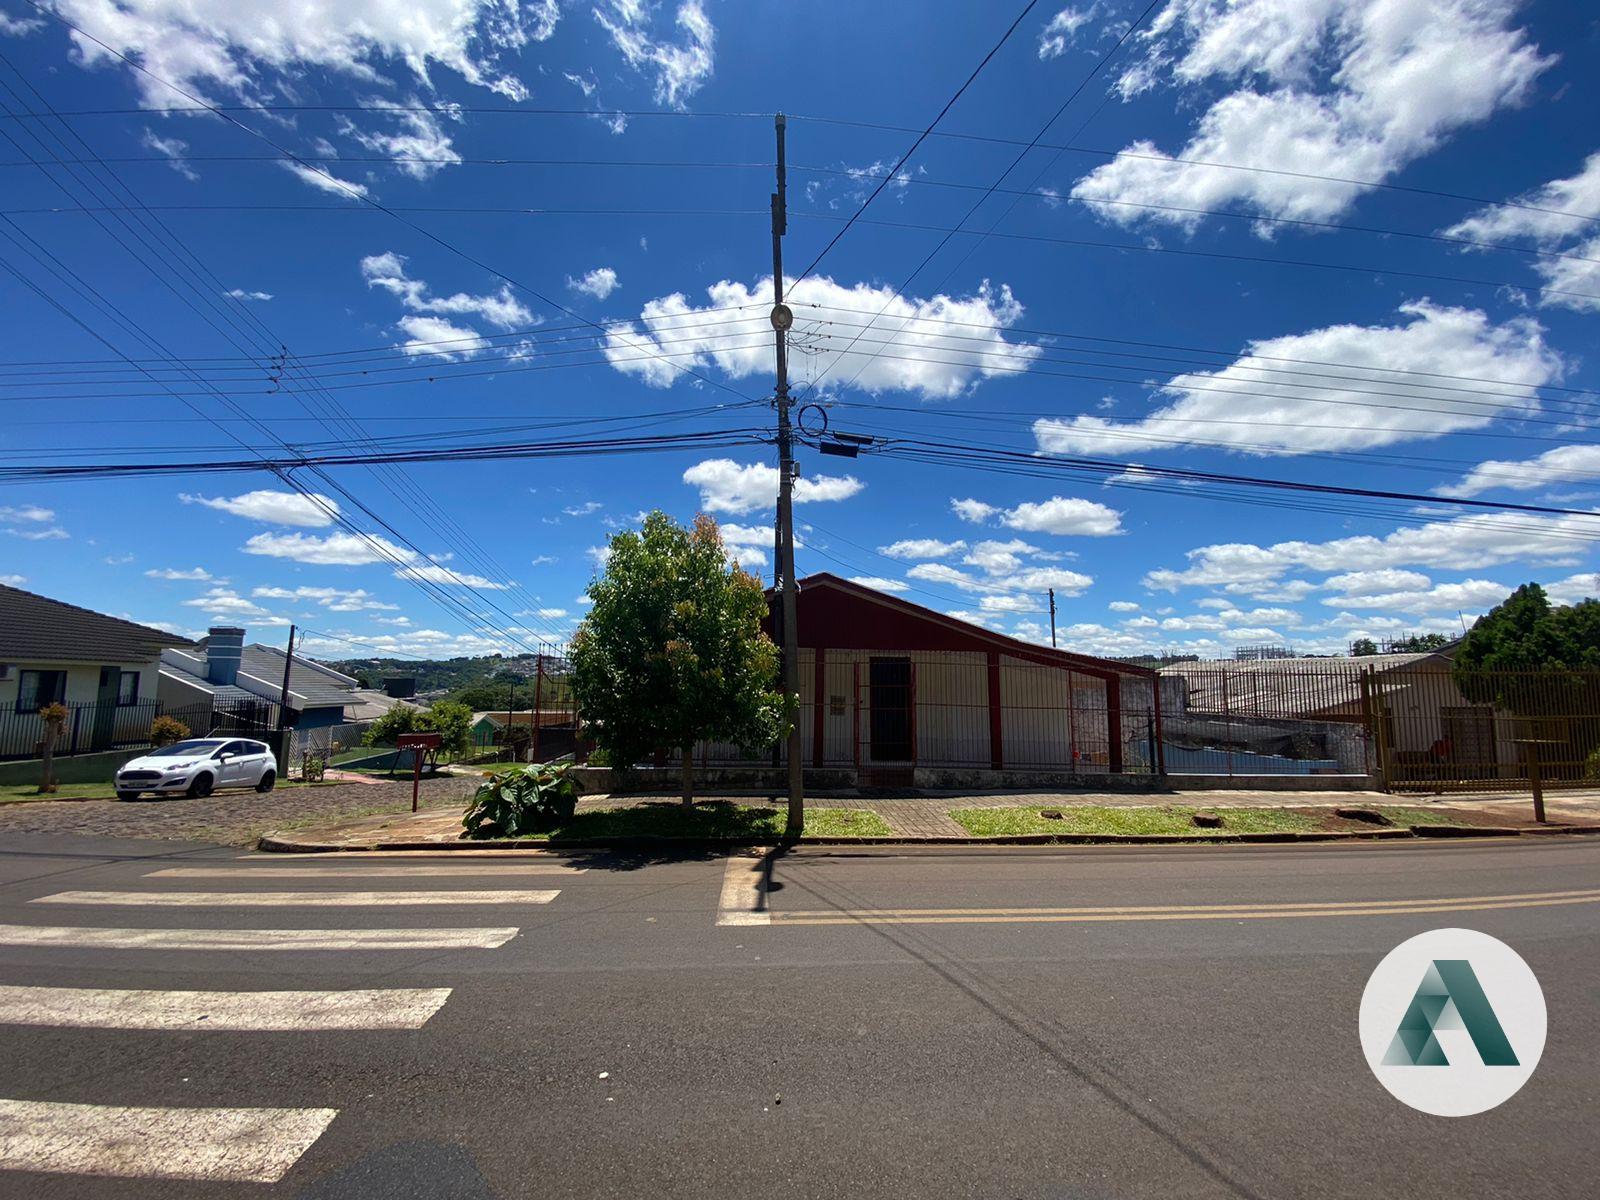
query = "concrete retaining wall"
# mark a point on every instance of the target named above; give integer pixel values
(79, 768)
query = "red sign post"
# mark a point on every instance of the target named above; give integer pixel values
(417, 743)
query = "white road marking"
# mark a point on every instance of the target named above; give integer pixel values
(238, 1145)
(373, 872)
(111, 1008)
(298, 899)
(744, 890)
(78, 938)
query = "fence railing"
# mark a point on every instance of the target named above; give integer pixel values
(91, 728)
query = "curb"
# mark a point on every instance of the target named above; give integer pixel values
(274, 844)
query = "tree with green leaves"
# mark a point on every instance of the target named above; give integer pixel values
(1363, 647)
(453, 722)
(672, 651)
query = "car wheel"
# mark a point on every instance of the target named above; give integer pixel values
(125, 795)
(201, 786)
(267, 781)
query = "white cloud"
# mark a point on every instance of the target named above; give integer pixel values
(1573, 588)
(440, 338)
(313, 511)
(1470, 594)
(224, 603)
(30, 513)
(245, 294)
(34, 533)
(196, 574)
(583, 510)
(260, 50)
(1374, 583)
(1553, 215)
(975, 511)
(879, 583)
(338, 549)
(175, 151)
(500, 308)
(1465, 543)
(1238, 407)
(552, 614)
(324, 180)
(999, 557)
(680, 69)
(434, 573)
(1032, 579)
(1565, 464)
(908, 348)
(417, 137)
(727, 486)
(18, 27)
(921, 548)
(1062, 29)
(13, 580)
(1064, 516)
(335, 599)
(1123, 606)
(1549, 214)
(599, 283)
(1352, 89)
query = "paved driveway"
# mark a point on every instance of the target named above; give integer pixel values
(232, 818)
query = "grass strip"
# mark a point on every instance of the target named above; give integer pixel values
(1099, 819)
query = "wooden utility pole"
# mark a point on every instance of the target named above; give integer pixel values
(1052, 618)
(782, 319)
(283, 708)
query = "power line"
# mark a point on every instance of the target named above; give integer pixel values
(921, 137)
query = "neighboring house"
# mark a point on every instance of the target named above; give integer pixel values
(102, 668)
(888, 687)
(1429, 726)
(222, 671)
(368, 705)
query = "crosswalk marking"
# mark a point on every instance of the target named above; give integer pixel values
(238, 1145)
(374, 872)
(298, 899)
(112, 1008)
(79, 938)
(744, 890)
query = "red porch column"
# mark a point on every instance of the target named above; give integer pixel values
(819, 683)
(997, 756)
(1114, 723)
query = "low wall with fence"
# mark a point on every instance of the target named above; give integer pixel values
(99, 728)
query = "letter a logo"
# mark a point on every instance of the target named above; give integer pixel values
(1449, 997)
(1465, 1038)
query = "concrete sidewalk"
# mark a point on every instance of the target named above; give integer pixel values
(927, 817)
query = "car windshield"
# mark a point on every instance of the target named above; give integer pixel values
(180, 749)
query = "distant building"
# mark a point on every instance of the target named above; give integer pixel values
(222, 669)
(400, 687)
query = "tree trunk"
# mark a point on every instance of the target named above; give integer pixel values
(688, 776)
(47, 772)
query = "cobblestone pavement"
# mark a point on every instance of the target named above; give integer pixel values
(230, 818)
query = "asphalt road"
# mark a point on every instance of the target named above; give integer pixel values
(926, 1023)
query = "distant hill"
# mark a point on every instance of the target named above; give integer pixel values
(437, 674)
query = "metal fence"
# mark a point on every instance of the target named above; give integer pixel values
(91, 728)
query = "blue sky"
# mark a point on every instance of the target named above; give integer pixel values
(1133, 300)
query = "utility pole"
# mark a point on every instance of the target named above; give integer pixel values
(782, 319)
(1052, 618)
(283, 708)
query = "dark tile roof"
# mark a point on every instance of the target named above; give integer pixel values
(38, 629)
(311, 685)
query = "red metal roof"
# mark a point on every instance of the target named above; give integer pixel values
(835, 614)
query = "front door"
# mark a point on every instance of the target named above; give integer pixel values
(891, 700)
(104, 732)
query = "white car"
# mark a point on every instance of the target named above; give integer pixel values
(198, 767)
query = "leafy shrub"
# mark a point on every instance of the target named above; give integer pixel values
(166, 730)
(515, 803)
(599, 758)
(453, 722)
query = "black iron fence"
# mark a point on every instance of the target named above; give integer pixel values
(92, 728)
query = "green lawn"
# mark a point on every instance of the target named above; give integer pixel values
(715, 819)
(1087, 819)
